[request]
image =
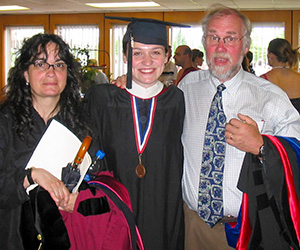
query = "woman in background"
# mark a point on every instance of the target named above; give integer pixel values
(282, 58)
(197, 58)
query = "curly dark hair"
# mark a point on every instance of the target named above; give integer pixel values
(18, 94)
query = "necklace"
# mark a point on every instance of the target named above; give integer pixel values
(281, 67)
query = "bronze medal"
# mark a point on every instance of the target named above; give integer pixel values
(140, 170)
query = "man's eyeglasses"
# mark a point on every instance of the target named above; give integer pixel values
(43, 66)
(228, 40)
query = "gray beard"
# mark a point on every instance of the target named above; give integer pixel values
(225, 75)
(215, 71)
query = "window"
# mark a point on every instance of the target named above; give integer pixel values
(191, 37)
(186, 36)
(262, 34)
(81, 37)
(14, 37)
(116, 34)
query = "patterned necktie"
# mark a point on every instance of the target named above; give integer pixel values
(210, 203)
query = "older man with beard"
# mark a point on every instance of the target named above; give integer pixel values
(248, 105)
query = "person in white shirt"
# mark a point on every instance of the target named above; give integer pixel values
(169, 74)
(252, 106)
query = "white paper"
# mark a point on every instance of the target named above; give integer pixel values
(58, 147)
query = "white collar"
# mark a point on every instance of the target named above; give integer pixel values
(146, 93)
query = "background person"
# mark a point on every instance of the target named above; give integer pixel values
(197, 58)
(282, 58)
(183, 59)
(43, 85)
(169, 74)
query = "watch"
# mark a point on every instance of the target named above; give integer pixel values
(29, 177)
(261, 151)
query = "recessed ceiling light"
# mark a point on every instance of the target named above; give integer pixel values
(123, 5)
(12, 7)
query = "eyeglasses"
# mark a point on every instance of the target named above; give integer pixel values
(43, 66)
(228, 40)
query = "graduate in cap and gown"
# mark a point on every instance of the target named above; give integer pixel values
(139, 128)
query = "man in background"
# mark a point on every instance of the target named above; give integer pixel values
(183, 59)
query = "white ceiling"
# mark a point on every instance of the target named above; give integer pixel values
(78, 6)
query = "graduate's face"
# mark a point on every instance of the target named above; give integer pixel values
(48, 83)
(148, 62)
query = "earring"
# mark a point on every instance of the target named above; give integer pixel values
(27, 83)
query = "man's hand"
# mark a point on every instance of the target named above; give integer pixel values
(120, 81)
(244, 134)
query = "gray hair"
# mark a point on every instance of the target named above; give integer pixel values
(221, 10)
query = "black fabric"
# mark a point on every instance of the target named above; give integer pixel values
(265, 185)
(157, 197)
(94, 206)
(296, 103)
(14, 155)
(49, 222)
(27, 227)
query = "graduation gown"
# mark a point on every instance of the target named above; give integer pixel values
(156, 198)
(271, 207)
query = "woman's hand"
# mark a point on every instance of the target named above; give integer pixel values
(71, 204)
(56, 188)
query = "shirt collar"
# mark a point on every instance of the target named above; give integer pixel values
(145, 93)
(233, 84)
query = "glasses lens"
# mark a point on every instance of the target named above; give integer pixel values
(212, 39)
(231, 41)
(60, 66)
(40, 65)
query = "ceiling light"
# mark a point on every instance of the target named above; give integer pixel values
(12, 7)
(123, 5)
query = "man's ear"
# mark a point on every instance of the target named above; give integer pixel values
(246, 51)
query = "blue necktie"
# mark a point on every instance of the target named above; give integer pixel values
(210, 203)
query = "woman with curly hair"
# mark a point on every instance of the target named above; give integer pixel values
(282, 58)
(43, 85)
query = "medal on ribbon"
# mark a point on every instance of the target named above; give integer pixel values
(141, 137)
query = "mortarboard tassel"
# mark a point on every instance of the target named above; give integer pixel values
(129, 63)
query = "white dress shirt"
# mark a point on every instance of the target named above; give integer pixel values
(245, 93)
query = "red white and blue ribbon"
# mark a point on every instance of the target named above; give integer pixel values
(140, 137)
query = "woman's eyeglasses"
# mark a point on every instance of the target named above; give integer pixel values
(43, 66)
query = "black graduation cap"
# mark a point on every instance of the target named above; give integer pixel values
(144, 30)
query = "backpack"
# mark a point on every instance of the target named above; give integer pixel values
(102, 217)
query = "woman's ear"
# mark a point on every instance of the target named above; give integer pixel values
(26, 76)
(167, 57)
(124, 58)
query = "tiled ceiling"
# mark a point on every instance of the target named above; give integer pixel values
(78, 6)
